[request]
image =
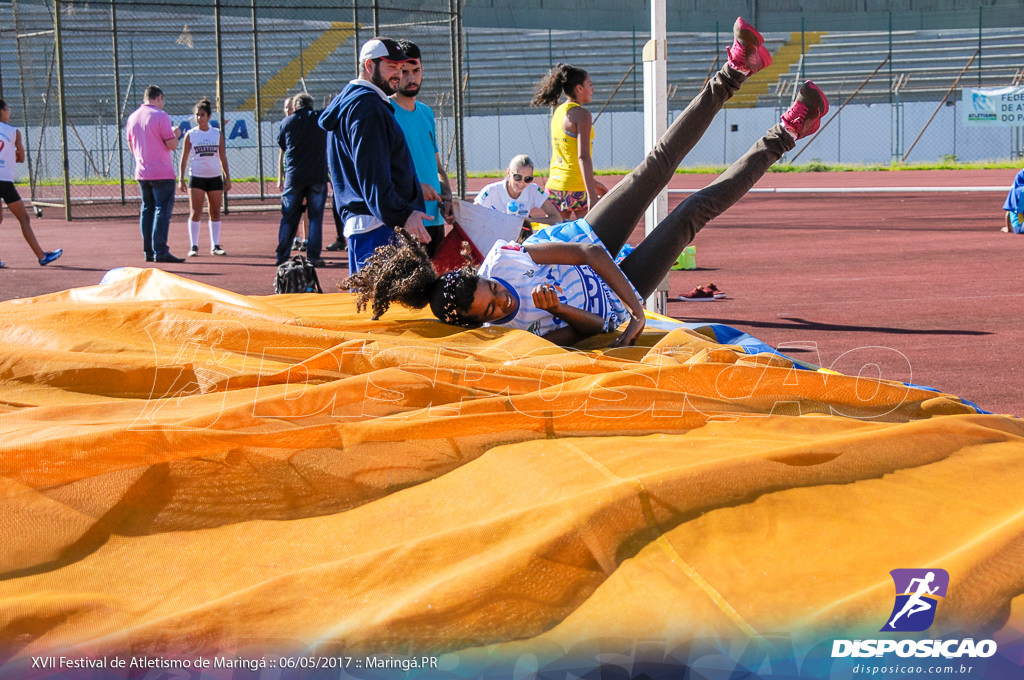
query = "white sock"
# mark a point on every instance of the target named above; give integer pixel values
(214, 233)
(734, 67)
(193, 233)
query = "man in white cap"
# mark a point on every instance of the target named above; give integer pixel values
(372, 173)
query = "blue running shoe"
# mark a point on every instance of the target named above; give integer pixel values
(50, 257)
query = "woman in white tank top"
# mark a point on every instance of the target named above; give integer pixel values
(209, 179)
(12, 151)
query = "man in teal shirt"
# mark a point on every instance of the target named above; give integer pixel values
(417, 122)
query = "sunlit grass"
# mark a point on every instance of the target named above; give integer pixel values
(815, 165)
(812, 165)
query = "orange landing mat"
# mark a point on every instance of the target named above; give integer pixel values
(184, 470)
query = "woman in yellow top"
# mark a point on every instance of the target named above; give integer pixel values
(571, 180)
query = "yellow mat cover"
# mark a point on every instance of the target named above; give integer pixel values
(187, 471)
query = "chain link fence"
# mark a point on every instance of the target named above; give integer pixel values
(900, 89)
(73, 71)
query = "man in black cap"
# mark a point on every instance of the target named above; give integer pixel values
(372, 173)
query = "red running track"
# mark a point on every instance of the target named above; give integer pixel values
(910, 286)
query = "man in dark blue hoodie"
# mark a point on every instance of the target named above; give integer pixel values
(374, 181)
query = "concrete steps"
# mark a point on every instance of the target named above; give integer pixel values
(783, 60)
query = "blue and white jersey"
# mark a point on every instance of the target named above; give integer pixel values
(576, 286)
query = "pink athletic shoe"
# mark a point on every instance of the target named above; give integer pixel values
(748, 53)
(804, 116)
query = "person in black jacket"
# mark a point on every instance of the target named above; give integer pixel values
(304, 144)
(372, 173)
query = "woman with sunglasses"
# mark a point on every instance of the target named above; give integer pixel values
(519, 188)
(562, 282)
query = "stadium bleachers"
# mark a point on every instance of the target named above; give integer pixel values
(494, 86)
(176, 52)
(924, 63)
(501, 68)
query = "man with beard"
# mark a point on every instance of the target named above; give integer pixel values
(417, 122)
(372, 173)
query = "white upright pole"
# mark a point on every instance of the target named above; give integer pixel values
(655, 123)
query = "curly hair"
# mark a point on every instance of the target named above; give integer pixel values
(562, 79)
(402, 272)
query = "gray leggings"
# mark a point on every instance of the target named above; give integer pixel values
(617, 214)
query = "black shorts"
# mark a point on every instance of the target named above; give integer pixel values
(9, 193)
(206, 183)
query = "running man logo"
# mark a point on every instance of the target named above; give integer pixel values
(917, 597)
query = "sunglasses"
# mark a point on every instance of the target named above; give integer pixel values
(519, 178)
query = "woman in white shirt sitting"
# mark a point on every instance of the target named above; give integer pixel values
(519, 188)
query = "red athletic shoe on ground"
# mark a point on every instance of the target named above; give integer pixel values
(708, 293)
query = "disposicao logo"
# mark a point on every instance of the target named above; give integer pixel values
(917, 597)
(918, 593)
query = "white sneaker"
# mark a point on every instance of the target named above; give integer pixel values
(217, 250)
(194, 252)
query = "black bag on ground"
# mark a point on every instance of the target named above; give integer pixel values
(297, 275)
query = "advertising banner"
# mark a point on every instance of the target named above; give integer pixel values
(993, 107)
